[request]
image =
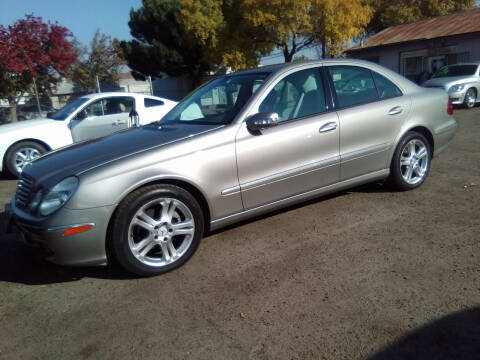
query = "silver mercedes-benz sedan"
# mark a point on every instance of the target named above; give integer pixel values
(241, 145)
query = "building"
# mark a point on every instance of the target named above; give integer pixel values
(422, 47)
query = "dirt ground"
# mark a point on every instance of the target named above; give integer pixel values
(365, 274)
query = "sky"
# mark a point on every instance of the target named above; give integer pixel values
(81, 17)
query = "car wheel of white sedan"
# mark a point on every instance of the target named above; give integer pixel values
(156, 229)
(470, 98)
(411, 161)
(21, 155)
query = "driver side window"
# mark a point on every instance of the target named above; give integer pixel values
(297, 95)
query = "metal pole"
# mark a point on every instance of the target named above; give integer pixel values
(36, 95)
(98, 84)
(150, 82)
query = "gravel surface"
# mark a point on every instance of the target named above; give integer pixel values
(365, 274)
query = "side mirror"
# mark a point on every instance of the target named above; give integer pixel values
(80, 115)
(260, 121)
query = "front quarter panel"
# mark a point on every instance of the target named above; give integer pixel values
(205, 161)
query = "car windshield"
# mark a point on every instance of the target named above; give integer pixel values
(68, 109)
(456, 70)
(218, 101)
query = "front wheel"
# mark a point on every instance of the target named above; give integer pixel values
(411, 161)
(21, 155)
(156, 229)
(470, 98)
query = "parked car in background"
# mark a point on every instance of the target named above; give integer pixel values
(85, 118)
(461, 81)
(239, 146)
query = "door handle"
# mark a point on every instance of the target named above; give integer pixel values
(330, 126)
(118, 122)
(396, 110)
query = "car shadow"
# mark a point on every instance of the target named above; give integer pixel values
(19, 263)
(455, 336)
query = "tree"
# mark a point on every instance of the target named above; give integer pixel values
(394, 12)
(101, 60)
(161, 43)
(191, 37)
(338, 21)
(31, 50)
(296, 24)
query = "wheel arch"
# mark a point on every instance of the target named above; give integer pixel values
(196, 193)
(40, 142)
(428, 135)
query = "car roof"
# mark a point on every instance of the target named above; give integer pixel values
(121, 93)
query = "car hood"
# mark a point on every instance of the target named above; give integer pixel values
(26, 124)
(78, 158)
(448, 81)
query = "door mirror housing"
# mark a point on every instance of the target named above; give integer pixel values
(257, 122)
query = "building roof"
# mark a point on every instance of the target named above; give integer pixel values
(461, 22)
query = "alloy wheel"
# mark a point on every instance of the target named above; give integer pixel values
(25, 156)
(414, 161)
(161, 232)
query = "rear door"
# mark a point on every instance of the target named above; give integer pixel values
(102, 117)
(371, 110)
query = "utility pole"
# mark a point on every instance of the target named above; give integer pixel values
(98, 84)
(36, 95)
(150, 82)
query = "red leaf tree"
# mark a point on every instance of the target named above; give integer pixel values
(31, 49)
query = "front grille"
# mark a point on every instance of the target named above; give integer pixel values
(24, 191)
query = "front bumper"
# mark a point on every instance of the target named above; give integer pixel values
(82, 249)
(457, 96)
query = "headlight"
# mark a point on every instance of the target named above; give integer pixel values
(456, 88)
(58, 196)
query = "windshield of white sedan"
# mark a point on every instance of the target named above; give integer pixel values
(68, 109)
(456, 70)
(217, 102)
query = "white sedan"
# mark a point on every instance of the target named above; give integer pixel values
(85, 118)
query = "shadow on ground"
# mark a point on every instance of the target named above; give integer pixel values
(19, 263)
(456, 336)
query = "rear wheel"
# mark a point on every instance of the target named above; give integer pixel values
(21, 155)
(156, 229)
(470, 98)
(411, 161)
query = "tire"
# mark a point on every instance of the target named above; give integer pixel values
(147, 238)
(470, 98)
(411, 161)
(22, 154)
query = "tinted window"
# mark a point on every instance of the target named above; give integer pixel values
(296, 95)
(217, 102)
(456, 70)
(68, 109)
(109, 106)
(152, 102)
(386, 89)
(353, 85)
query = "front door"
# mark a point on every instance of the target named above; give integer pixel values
(102, 117)
(299, 154)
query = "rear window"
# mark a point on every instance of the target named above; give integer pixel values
(152, 102)
(456, 70)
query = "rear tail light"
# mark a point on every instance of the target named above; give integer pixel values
(450, 107)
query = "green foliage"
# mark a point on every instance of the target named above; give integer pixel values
(162, 43)
(394, 12)
(101, 60)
